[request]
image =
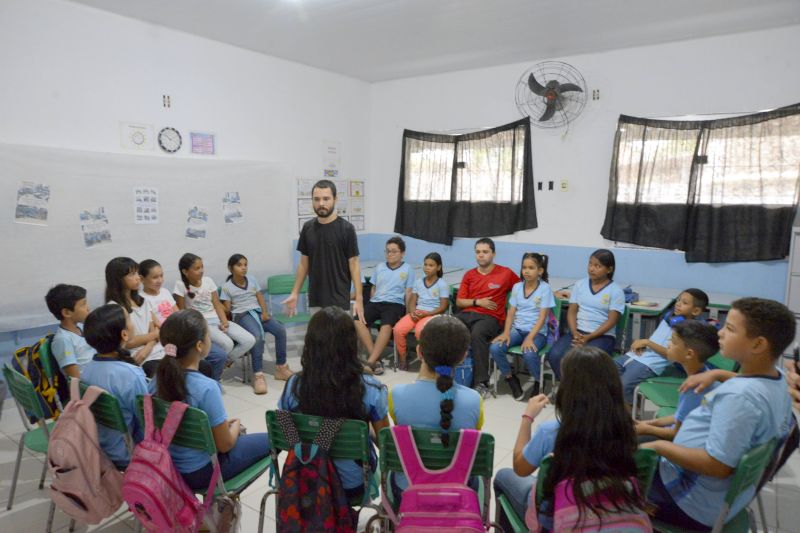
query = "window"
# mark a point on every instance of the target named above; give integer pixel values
(469, 185)
(722, 190)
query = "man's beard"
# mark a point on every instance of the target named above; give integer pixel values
(323, 212)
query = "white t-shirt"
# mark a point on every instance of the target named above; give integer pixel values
(202, 301)
(141, 317)
(163, 303)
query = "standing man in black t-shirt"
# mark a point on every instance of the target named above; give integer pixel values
(329, 256)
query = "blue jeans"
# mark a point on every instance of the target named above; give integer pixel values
(498, 352)
(564, 345)
(216, 358)
(257, 329)
(667, 510)
(248, 450)
(631, 372)
(516, 489)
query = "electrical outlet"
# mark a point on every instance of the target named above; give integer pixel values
(596, 94)
(550, 185)
(564, 185)
(539, 186)
(166, 100)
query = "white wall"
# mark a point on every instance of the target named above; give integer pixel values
(736, 73)
(69, 74)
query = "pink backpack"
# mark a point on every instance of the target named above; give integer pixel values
(153, 488)
(437, 500)
(86, 484)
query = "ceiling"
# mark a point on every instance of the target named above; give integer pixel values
(376, 40)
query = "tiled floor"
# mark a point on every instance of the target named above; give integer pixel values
(781, 498)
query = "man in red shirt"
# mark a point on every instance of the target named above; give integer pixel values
(482, 301)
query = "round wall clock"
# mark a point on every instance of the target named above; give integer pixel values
(169, 140)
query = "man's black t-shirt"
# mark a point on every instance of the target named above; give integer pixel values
(328, 247)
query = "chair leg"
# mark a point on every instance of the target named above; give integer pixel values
(761, 513)
(44, 474)
(16, 472)
(50, 516)
(72, 525)
(263, 508)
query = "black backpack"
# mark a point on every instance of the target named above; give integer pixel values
(28, 362)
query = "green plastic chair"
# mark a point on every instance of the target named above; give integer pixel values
(352, 442)
(646, 464)
(34, 439)
(195, 433)
(747, 475)
(516, 351)
(282, 284)
(435, 457)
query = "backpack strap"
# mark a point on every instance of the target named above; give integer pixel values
(416, 472)
(172, 421)
(89, 397)
(327, 433)
(287, 426)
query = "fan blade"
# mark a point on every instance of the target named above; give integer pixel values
(549, 112)
(535, 86)
(564, 87)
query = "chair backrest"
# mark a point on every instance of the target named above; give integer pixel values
(622, 327)
(557, 310)
(646, 464)
(433, 454)
(749, 470)
(351, 442)
(720, 361)
(106, 411)
(283, 284)
(46, 358)
(194, 431)
(23, 392)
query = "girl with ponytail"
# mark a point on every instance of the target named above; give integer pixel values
(442, 346)
(108, 329)
(186, 342)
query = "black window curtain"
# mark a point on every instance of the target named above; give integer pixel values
(472, 185)
(720, 190)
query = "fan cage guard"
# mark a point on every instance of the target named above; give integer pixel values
(532, 105)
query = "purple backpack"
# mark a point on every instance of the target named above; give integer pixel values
(437, 500)
(153, 488)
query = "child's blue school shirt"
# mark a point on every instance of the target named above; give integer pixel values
(376, 406)
(391, 284)
(204, 394)
(528, 308)
(430, 298)
(125, 382)
(739, 415)
(650, 358)
(417, 405)
(593, 307)
(542, 444)
(242, 299)
(690, 400)
(71, 349)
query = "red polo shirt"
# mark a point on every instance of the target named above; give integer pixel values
(494, 285)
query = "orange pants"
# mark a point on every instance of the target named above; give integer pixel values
(403, 327)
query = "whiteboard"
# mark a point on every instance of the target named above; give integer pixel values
(37, 257)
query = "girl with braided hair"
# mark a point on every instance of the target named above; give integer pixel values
(442, 346)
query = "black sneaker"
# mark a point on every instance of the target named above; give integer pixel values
(535, 389)
(516, 388)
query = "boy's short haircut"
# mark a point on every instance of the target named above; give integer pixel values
(700, 336)
(325, 184)
(768, 319)
(63, 296)
(398, 240)
(487, 241)
(700, 298)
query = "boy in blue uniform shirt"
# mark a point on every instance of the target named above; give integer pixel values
(744, 412)
(691, 344)
(648, 357)
(69, 347)
(393, 281)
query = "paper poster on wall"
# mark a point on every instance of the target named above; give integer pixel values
(94, 226)
(232, 208)
(356, 206)
(357, 222)
(304, 186)
(304, 207)
(342, 206)
(202, 143)
(356, 188)
(197, 222)
(301, 222)
(32, 199)
(331, 158)
(145, 205)
(341, 189)
(136, 136)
